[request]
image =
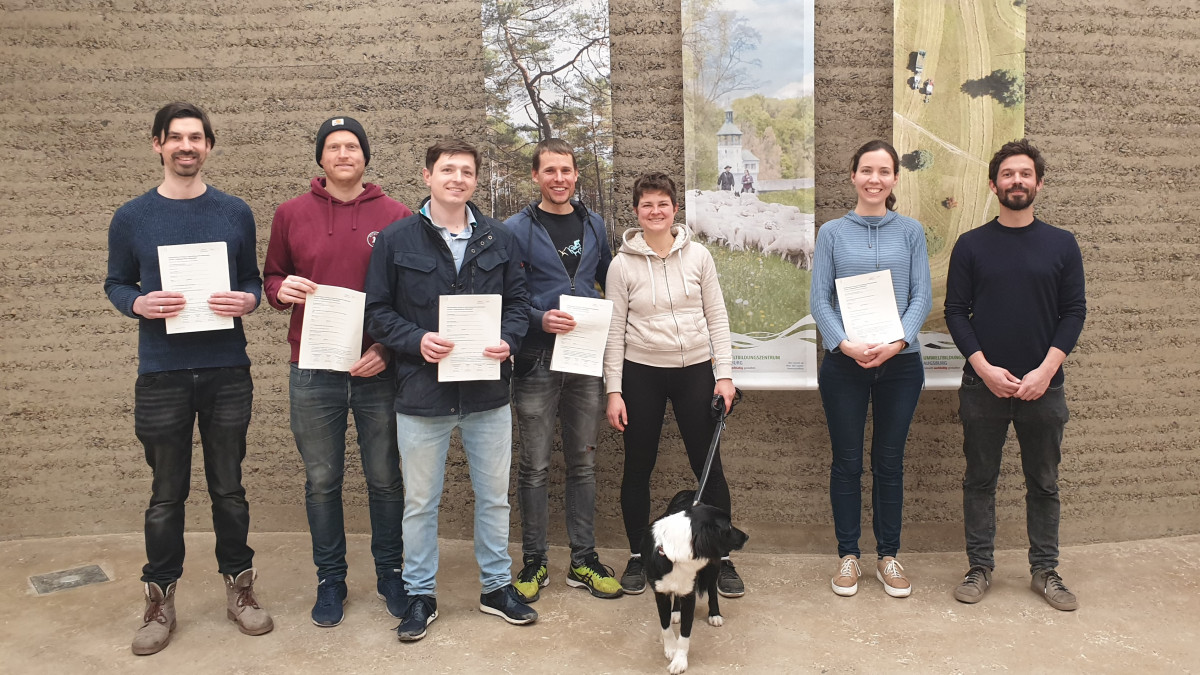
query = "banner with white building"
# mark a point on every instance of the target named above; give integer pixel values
(748, 137)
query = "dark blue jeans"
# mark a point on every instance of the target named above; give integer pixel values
(321, 400)
(892, 390)
(166, 408)
(1039, 426)
(542, 397)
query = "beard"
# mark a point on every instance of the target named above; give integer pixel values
(185, 171)
(1019, 201)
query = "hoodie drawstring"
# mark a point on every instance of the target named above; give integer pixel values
(650, 270)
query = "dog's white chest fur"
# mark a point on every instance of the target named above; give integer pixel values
(674, 536)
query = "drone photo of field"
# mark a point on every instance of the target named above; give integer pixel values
(958, 94)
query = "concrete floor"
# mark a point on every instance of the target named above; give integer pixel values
(1140, 611)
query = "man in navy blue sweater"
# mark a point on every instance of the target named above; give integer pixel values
(1015, 306)
(182, 376)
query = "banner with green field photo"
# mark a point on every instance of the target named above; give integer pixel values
(958, 95)
(748, 138)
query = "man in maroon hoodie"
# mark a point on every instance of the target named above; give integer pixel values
(325, 237)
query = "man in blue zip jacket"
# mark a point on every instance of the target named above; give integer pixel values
(564, 250)
(449, 248)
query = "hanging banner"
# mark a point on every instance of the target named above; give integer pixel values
(748, 140)
(547, 76)
(946, 135)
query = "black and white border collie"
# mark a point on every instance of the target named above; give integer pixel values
(682, 556)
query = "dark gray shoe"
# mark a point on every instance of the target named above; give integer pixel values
(633, 581)
(729, 584)
(974, 585)
(1050, 586)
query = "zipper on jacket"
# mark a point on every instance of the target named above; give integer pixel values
(671, 299)
(582, 239)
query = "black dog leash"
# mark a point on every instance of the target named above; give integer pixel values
(718, 411)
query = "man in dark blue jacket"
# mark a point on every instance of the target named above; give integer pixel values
(449, 248)
(564, 250)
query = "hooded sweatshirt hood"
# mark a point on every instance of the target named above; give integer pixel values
(872, 229)
(370, 191)
(633, 242)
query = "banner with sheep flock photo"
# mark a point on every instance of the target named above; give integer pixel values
(748, 137)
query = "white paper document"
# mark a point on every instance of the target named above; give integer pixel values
(868, 305)
(472, 323)
(582, 350)
(197, 271)
(331, 336)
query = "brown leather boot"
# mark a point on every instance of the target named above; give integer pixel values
(157, 621)
(242, 607)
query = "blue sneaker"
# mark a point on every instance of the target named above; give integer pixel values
(422, 610)
(505, 602)
(390, 589)
(331, 596)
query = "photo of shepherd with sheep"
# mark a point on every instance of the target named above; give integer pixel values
(748, 113)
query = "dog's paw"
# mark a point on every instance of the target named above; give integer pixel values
(675, 617)
(669, 643)
(678, 664)
(716, 621)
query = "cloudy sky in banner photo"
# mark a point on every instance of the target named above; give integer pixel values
(786, 48)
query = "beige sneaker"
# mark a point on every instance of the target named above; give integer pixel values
(157, 621)
(891, 574)
(845, 582)
(242, 607)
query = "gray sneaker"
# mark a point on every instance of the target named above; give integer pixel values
(1050, 586)
(974, 585)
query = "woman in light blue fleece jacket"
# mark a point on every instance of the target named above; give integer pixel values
(888, 376)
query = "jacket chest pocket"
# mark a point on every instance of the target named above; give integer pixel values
(487, 271)
(414, 272)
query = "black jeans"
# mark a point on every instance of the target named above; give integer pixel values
(892, 391)
(166, 406)
(646, 392)
(1039, 426)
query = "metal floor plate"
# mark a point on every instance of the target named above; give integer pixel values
(52, 582)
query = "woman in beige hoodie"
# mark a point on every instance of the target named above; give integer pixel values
(669, 333)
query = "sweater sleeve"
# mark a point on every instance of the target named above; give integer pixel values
(821, 288)
(959, 301)
(717, 318)
(248, 278)
(920, 287)
(122, 285)
(278, 264)
(614, 350)
(1072, 302)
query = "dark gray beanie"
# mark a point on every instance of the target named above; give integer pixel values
(343, 124)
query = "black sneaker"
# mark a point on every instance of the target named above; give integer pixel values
(390, 589)
(422, 610)
(729, 584)
(974, 585)
(331, 596)
(633, 581)
(505, 602)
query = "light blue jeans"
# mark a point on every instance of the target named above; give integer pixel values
(424, 442)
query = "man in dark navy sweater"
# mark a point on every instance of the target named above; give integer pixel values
(183, 376)
(1015, 306)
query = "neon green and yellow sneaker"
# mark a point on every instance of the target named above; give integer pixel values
(533, 577)
(596, 577)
